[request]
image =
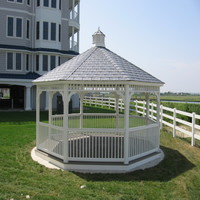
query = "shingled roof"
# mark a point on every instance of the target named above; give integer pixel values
(98, 64)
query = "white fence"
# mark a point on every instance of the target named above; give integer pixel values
(170, 117)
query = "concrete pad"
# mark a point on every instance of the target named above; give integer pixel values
(42, 161)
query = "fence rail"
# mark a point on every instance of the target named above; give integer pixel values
(170, 117)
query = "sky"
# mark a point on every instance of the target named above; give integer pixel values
(161, 37)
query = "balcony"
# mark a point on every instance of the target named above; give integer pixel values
(76, 2)
(73, 46)
(74, 19)
(74, 16)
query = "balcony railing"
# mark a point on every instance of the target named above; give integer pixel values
(73, 45)
(74, 16)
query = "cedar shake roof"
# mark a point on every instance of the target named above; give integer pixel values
(96, 64)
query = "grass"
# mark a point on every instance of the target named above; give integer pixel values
(176, 177)
(190, 98)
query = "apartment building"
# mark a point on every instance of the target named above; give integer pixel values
(35, 37)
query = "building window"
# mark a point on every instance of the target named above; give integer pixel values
(45, 30)
(18, 1)
(59, 34)
(37, 63)
(53, 3)
(28, 2)
(14, 61)
(53, 31)
(18, 61)
(46, 3)
(27, 62)
(38, 2)
(37, 30)
(45, 63)
(59, 61)
(10, 61)
(18, 27)
(60, 4)
(53, 62)
(28, 29)
(10, 25)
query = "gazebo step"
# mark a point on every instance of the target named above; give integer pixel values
(102, 167)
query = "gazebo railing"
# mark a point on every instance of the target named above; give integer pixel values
(105, 144)
(143, 140)
(57, 120)
(100, 120)
(50, 139)
(90, 120)
(97, 145)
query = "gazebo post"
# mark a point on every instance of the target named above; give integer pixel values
(81, 110)
(46, 101)
(158, 107)
(50, 107)
(65, 122)
(126, 118)
(147, 105)
(117, 110)
(37, 114)
(158, 114)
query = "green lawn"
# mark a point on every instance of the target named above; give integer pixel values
(180, 97)
(176, 177)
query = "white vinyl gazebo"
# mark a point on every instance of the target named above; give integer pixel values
(115, 142)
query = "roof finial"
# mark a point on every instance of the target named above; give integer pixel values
(98, 39)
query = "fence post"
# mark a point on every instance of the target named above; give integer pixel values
(161, 116)
(174, 128)
(193, 129)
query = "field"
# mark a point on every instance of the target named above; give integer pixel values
(190, 98)
(176, 177)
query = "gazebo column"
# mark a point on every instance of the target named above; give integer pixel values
(65, 122)
(81, 110)
(158, 115)
(50, 110)
(47, 101)
(147, 105)
(38, 93)
(126, 123)
(158, 107)
(117, 110)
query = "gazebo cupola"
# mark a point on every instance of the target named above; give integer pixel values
(98, 39)
(120, 140)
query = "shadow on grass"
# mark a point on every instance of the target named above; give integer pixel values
(173, 165)
(21, 117)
